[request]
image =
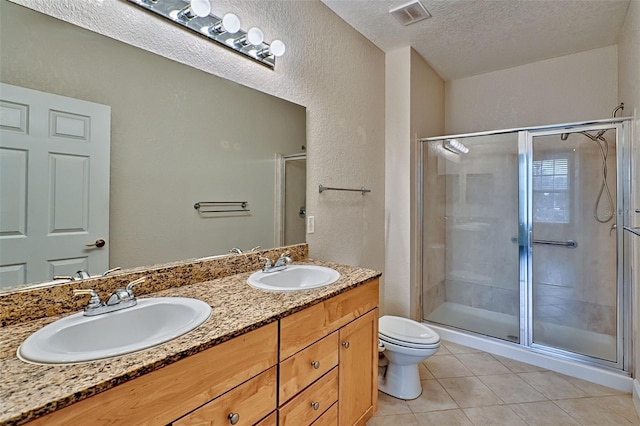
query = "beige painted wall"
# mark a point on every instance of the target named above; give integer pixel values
(414, 108)
(329, 68)
(570, 88)
(629, 93)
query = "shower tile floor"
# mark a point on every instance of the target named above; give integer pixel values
(464, 386)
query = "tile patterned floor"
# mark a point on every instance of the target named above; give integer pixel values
(464, 386)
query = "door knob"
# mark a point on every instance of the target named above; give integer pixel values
(99, 243)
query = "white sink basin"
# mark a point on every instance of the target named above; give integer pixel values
(77, 338)
(295, 277)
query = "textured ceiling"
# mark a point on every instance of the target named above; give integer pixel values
(470, 37)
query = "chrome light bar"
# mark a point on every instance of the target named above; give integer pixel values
(225, 31)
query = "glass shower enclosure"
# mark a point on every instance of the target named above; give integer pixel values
(522, 237)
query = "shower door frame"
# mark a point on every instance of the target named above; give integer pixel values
(622, 125)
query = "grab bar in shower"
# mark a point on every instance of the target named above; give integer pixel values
(568, 244)
(326, 188)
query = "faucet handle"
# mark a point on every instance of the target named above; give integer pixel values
(267, 262)
(134, 282)
(94, 302)
(109, 271)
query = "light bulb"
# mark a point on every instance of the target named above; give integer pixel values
(231, 23)
(200, 8)
(255, 36)
(277, 48)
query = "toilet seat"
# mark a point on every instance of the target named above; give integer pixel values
(387, 339)
(406, 332)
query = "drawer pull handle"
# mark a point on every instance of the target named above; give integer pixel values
(234, 418)
(346, 345)
(315, 364)
(315, 405)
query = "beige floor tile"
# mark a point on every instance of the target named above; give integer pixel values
(444, 418)
(442, 350)
(552, 385)
(433, 398)
(455, 348)
(511, 389)
(544, 413)
(608, 410)
(494, 416)
(425, 374)
(394, 420)
(592, 389)
(469, 392)
(517, 366)
(388, 405)
(446, 366)
(482, 363)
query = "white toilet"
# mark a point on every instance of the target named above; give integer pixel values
(404, 343)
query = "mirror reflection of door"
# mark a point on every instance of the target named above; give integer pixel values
(295, 183)
(54, 159)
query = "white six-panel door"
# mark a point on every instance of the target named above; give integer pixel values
(54, 185)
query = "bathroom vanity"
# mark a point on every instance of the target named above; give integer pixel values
(266, 358)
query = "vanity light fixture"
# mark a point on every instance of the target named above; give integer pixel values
(195, 15)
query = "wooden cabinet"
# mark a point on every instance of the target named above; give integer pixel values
(244, 405)
(165, 395)
(359, 370)
(315, 367)
(343, 329)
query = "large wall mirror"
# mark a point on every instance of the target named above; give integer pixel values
(178, 136)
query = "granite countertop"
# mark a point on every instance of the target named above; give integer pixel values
(28, 391)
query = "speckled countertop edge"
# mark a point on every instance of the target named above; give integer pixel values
(28, 391)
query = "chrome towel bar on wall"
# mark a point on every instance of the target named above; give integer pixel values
(326, 188)
(221, 206)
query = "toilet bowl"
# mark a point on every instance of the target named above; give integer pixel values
(404, 343)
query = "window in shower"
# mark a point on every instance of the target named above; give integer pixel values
(551, 195)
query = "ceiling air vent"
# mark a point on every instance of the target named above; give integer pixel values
(410, 13)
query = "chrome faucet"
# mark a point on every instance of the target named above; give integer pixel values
(120, 299)
(239, 251)
(279, 265)
(80, 275)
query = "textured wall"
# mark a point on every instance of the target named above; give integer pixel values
(329, 68)
(570, 88)
(629, 93)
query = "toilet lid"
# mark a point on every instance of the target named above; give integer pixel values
(386, 339)
(406, 330)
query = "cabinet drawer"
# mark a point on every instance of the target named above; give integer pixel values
(270, 420)
(250, 402)
(308, 405)
(301, 329)
(166, 394)
(300, 370)
(329, 418)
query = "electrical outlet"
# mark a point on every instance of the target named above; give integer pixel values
(311, 224)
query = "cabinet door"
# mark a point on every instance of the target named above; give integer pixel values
(358, 387)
